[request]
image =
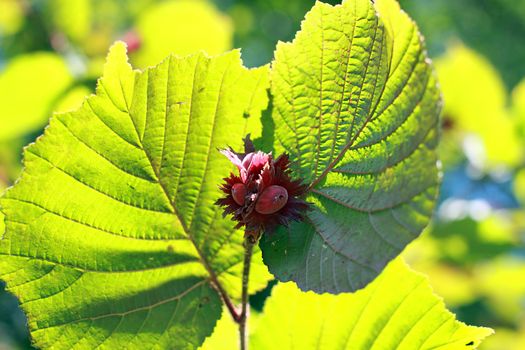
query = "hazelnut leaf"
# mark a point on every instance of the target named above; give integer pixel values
(396, 311)
(356, 106)
(111, 234)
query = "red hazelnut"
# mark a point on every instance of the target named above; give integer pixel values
(238, 193)
(262, 196)
(271, 200)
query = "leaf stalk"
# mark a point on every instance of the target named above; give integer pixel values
(249, 242)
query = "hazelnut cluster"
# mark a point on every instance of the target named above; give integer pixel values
(262, 196)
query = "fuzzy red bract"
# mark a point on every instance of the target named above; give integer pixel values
(271, 197)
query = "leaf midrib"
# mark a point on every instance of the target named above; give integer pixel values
(213, 279)
(333, 163)
(340, 109)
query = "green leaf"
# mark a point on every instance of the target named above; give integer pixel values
(518, 109)
(467, 78)
(72, 99)
(112, 236)
(11, 150)
(356, 106)
(519, 186)
(504, 302)
(182, 27)
(506, 338)
(39, 78)
(225, 335)
(11, 17)
(71, 18)
(396, 311)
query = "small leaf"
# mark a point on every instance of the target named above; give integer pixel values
(11, 17)
(112, 238)
(29, 86)
(70, 18)
(182, 27)
(357, 107)
(466, 78)
(396, 311)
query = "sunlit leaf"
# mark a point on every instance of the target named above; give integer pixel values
(11, 16)
(503, 286)
(10, 167)
(225, 335)
(181, 27)
(73, 99)
(518, 108)
(396, 311)
(451, 252)
(476, 104)
(506, 339)
(29, 86)
(357, 107)
(71, 18)
(519, 186)
(112, 236)
(455, 285)
(465, 242)
(11, 151)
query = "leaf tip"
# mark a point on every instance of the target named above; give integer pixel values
(471, 336)
(118, 48)
(116, 59)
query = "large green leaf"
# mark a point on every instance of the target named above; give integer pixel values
(397, 311)
(112, 237)
(356, 106)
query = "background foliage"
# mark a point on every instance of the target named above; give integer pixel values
(473, 252)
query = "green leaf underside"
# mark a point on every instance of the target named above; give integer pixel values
(356, 106)
(112, 234)
(396, 311)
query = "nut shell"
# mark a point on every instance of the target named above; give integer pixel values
(271, 200)
(239, 193)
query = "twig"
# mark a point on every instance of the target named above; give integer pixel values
(249, 242)
(226, 299)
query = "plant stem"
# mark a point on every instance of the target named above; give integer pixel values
(249, 242)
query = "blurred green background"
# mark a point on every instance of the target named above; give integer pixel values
(51, 53)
